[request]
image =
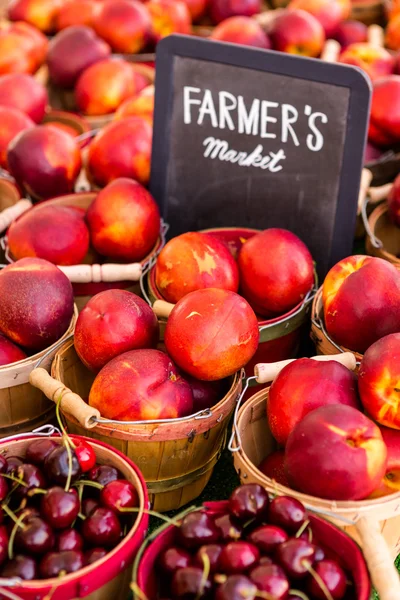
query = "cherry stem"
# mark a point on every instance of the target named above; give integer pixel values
(302, 528)
(18, 524)
(20, 481)
(319, 580)
(220, 578)
(83, 482)
(35, 491)
(69, 477)
(206, 572)
(10, 513)
(152, 513)
(59, 420)
(81, 516)
(137, 592)
(300, 594)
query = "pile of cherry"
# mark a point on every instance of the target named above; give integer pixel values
(60, 511)
(258, 549)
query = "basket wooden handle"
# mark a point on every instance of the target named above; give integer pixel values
(162, 308)
(266, 372)
(70, 402)
(376, 35)
(102, 273)
(366, 178)
(10, 214)
(377, 194)
(331, 51)
(384, 575)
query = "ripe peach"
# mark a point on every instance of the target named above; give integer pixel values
(40, 13)
(45, 161)
(77, 12)
(361, 298)
(241, 30)
(9, 352)
(392, 38)
(276, 271)
(56, 233)
(393, 202)
(141, 105)
(351, 32)
(384, 127)
(36, 304)
(223, 9)
(71, 52)
(167, 17)
(374, 60)
(193, 261)
(303, 386)
(211, 333)
(391, 481)
(12, 121)
(124, 221)
(22, 48)
(103, 86)
(151, 384)
(121, 149)
(330, 13)
(197, 9)
(124, 24)
(22, 91)
(337, 453)
(379, 381)
(273, 466)
(297, 32)
(112, 323)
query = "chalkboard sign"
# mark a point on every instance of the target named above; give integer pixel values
(255, 138)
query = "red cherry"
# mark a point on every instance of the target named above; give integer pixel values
(93, 555)
(229, 528)
(88, 506)
(85, 454)
(198, 528)
(103, 474)
(119, 494)
(13, 462)
(237, 557)
(236, 587)
(36, 537)
(20, 566)
(3, 464)
(189, 583)
(70, 539)
(333, 577)
(295, 556)
(39, 450)
(3, 488)
(102, 527)
(33, 478)
(59, 508)
(3, 544)
(287, 512)
(54, 563)
(173, 559)
(267, 537)
(272, 580)
(249, 501)
(213, 552)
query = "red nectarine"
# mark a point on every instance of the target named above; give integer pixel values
(167, 17)
(22, 91)
(330, 13)
(9, 352)
(124, 24)
(241, 30)
(297, 32)
(12, 121)
(223, 9)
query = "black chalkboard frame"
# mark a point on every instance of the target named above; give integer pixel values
(309, 69)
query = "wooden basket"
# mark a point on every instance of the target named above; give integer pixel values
(74, 124)
(368, 12)
(323, 342)
(22, 407)
(110, 576)
(383, 237)
(90, 281)
(256, 442)
(176, 456)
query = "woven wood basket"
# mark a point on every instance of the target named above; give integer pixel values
(74, 124)
(383, 236)
(22, 407)
(176, 456)
(368, 12)
(110, 576)
(323, 342)
(88, 281)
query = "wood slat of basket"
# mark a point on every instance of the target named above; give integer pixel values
(387, 232)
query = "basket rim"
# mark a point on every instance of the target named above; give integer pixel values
(12, 187)
(339, 506)
(141, 518)
(378, 213)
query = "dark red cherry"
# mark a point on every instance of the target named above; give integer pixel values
(93, 555)
(20, 566)
(272, 580)
(59, 508)
(236, 587)
(237, 557)
(174, 558)
(103, 474)
(88, 506)
(36, 537)
(295, 556)
(13, 462)
(198, 528)
(85, 454)
(229, 528)
(3, 488)
(333, 577)
(248, 502)
(267, 538)
(3, 464)
(287, 513)
(189, 584)
(213, 552)
(32, 476)
(119, 494)
(57, 563)
(57, 466)
(102, 528)
(38, 450)
(3, 544)
(70, 539)
(319, 554)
